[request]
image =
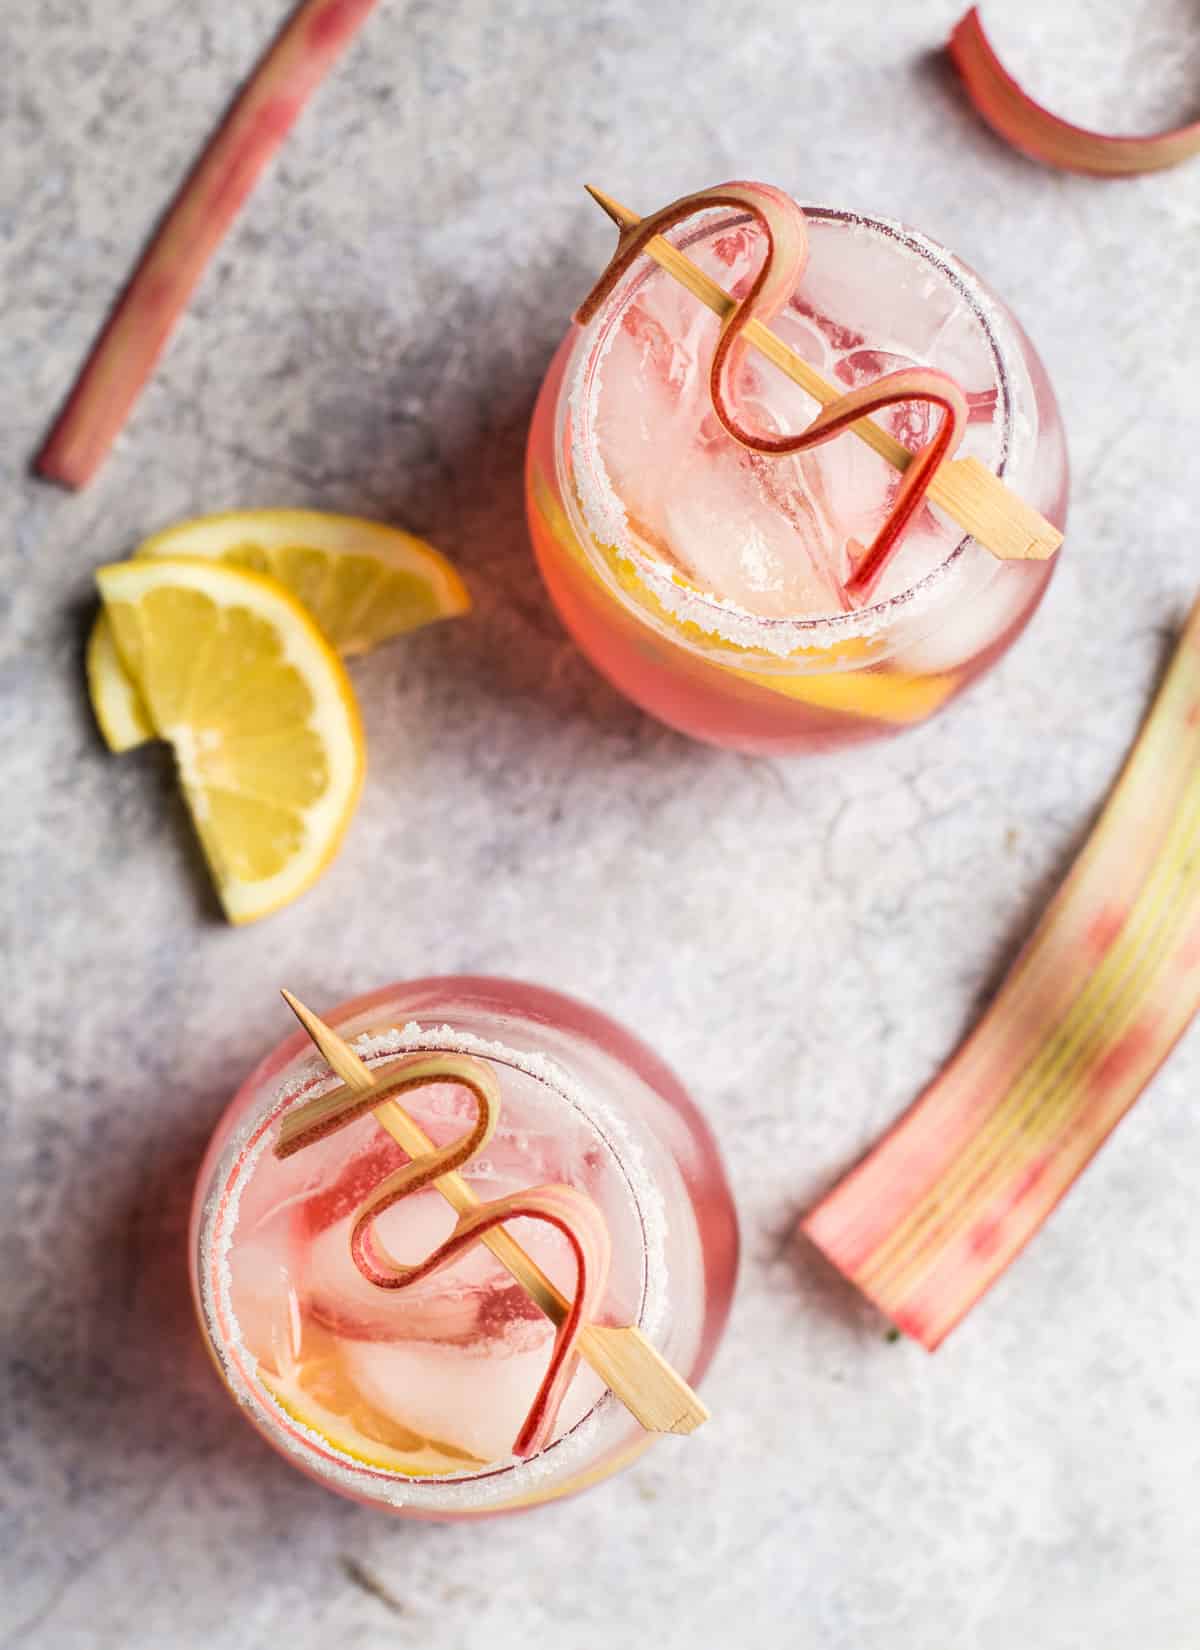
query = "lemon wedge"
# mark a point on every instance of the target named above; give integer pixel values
(363, 583)
(317, 1395)
(123, 718)
(234, 673)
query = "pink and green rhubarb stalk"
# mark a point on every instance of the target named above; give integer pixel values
(137, 331)
(1093, 1006)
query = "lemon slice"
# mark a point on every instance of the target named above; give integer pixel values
(362, 582)
(317, 1395)
(894, 696)
(231, 669)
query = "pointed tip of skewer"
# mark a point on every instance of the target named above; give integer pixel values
(620, 215)
(305, 1016)
(335, 1049)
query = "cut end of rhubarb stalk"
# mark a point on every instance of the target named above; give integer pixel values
(1030, 127)
(785, 229)
(136, 333)
(1095, 1003)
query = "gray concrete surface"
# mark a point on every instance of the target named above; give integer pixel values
(804, 941)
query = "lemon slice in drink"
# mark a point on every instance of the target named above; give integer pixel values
(363, 583)
(317, 1395)
(235, 674)
(883, 695)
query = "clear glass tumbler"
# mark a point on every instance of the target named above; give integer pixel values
(874, 296)
(410, 1400)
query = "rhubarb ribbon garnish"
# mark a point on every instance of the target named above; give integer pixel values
(786, 234)
(569, 1211)
(575, 1216)
(1030, 127)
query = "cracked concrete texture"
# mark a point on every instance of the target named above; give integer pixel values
(804, 941)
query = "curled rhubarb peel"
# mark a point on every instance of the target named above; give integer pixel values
(136, 333)
(430, 1166)
(573, 1214)
(656, 1395)
(1105, 987)
(320, 1118)
(1030, 127)
(785, 231)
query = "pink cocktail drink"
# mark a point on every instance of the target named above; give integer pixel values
(710, 582)
(412, 1399)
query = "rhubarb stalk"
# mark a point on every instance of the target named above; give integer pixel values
(136, 333)
(1030, 127)
(1104, 988)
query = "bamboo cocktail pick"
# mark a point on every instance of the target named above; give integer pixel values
(655, 1395)
(966, 489)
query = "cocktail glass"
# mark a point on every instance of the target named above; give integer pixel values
(706, 581)
(411, 1400)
